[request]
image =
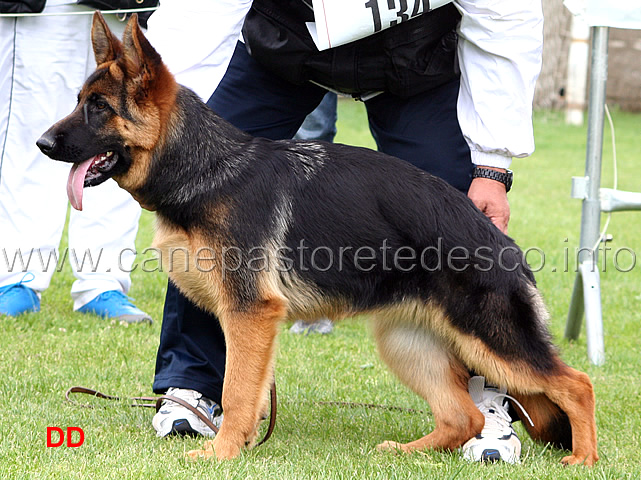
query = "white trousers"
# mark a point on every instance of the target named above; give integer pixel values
(44, 61)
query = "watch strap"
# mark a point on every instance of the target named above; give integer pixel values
(503, 177)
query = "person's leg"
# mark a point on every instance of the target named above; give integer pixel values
(102, 237)
(424, 131)
(190, 357)
(321, 123)
(191, 354)
(104, 232)
(39, 77)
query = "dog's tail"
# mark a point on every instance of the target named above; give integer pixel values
(551, 424)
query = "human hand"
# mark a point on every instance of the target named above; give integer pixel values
(490, 198)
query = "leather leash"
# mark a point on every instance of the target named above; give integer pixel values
(96, 393)
(156, 402)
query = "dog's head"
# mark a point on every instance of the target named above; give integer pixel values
(121, 112)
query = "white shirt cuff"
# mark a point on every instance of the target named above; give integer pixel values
(490, 159)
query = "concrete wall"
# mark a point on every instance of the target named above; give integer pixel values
(624, 62)
(624, 69)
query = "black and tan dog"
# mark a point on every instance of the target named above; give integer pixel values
(259, 231)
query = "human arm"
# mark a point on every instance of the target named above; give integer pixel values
(499, 51)
(197, 38)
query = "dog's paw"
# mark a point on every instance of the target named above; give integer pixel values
(394, 447)
(204, 454)
(224, 450)
(211, 448)
(587, 460)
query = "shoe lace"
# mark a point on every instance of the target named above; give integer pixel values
(496, 416)
(12, 289)
(190, 396)
(118, 295)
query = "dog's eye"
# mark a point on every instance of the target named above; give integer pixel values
(100, 105)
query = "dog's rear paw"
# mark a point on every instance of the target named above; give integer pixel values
(395, 447)
(588, 460)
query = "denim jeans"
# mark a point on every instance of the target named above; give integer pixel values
(321, 123)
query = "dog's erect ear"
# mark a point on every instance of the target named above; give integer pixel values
(141, 60)
(106, 47)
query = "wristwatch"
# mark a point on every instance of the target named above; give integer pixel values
(504, 177)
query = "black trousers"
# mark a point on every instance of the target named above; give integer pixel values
(422, 130)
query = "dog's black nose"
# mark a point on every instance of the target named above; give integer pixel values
(46, 143)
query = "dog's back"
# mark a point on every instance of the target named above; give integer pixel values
(369, 231)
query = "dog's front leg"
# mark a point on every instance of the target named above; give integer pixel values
(250, 338)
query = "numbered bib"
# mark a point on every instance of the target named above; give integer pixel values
(338, 22)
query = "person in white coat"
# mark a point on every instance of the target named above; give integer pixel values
(44, 60)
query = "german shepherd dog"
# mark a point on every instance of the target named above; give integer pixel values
(316, 229)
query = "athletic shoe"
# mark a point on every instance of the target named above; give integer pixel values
(322, 326)
(16, 299)
(115, 304)
(174, 419)
(497, 441)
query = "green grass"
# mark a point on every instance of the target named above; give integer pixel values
(43, 354)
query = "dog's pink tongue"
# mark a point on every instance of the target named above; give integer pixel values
(76, 183)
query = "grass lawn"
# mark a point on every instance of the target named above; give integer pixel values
(43, 354)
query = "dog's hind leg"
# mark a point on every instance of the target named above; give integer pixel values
(549, 424)
(426, 366)
(250, 337)
(564, 395)
(573, 393)
(507, 342)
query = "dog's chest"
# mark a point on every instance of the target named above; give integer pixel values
(193, 265)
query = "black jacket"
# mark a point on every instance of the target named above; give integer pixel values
(21, 6)
(405, 60)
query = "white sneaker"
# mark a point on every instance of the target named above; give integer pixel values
(497, 441)
(174, 419)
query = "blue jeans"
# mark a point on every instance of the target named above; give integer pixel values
(422, 130)
(321, 123)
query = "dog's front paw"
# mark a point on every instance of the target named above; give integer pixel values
(390, 446)
(206, 453)
(587, 460)
(215, 448)
(225, 450)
